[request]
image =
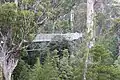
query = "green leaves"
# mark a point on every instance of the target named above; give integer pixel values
(28, 1)
(22, 71)
(44, 72)
(99, 51)
(21, 22)
(7, 14)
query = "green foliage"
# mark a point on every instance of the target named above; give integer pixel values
(54, 68)
(100, 54)
(43, 72)
(110, 43)
(56, 10)
(57, 65)
(7, 14)
(62, 24)
(65, 69)
(28, 1)
(100, 24)
(102, 67)
(20, 23)
(21, 72)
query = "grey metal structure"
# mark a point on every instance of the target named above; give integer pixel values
(49, 37)
(42, 38)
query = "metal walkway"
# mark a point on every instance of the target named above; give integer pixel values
(49, 37)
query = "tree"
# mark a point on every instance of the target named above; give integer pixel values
(15, 27)
(22, 71)
(64, 67)
(19, 23)
(47, 71)
(101, 66)
(90, 33)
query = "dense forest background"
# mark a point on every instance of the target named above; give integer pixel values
(94, 56)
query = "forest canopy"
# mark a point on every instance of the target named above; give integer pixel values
(59, 40)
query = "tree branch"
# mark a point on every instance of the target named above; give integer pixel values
(41, 21)
(1, 34)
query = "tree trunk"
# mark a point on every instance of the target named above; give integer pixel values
(72, 19)
(16, 2)
(118, 37)
(7, 75)
(7, 60)
(1, 73)
(90, 33)
(8, 68)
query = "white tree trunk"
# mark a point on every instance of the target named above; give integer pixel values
(90, 16)
(72, 19)
(16, 2)
(7, 60)
(7, 73)
(90, 33)
(8, 68)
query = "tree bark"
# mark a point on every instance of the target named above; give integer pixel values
(8, 68)
(9, 62)
(118, 38)
(72, 19)
(8, 58)
(90, 33)
(16, 2)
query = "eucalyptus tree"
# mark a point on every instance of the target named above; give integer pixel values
(90, 33)
(15, 27)
(21, 22)
(17, 23)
